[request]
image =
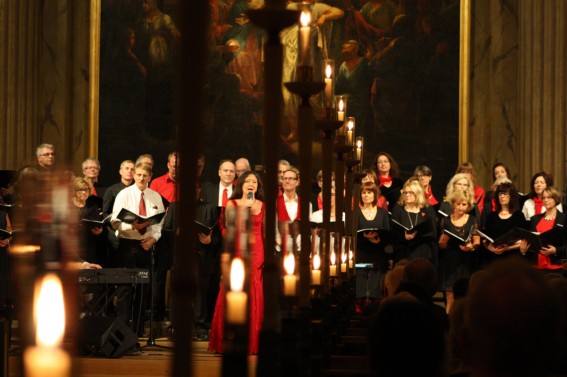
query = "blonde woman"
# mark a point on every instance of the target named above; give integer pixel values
(457, 256)
(460, 182)
(412, 209)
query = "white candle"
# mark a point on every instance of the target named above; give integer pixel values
(341, 109)
(47, 359)
(304, 37)
(236, 299)
(316, 272)
(350, 131)
(328, 86)
(359, 145)
(333, 267)
(350, 259)
(333, 270)
(290, 280)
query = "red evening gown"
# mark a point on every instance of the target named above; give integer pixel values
(255, 296)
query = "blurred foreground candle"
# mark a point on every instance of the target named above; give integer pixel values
(333, 266)
(236, 299)
(290, 280)
(316, 271)
(46, 359)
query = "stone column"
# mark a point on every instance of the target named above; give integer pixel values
(542, 88)
(18, 82)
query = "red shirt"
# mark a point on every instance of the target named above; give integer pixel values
(165, 186)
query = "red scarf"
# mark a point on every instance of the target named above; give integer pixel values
(383, 180)
(494, 208)
(538, 205)
(430, 198)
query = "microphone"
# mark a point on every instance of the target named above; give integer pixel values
(249, 197)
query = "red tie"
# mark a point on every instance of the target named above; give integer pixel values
(142, 210)
(224, 197)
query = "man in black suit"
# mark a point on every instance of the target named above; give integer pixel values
(212, 199)
(126, 179)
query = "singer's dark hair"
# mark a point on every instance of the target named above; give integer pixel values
(238, 192)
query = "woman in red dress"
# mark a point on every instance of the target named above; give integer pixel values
(248, 193)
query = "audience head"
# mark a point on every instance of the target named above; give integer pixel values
(412, 194)
(242, 165)
(91, 169)
(423, 273)
(540, 181)
(320, 179)
(385, 165)
(249, 180)
(393, 278)
(369, 194)
(499, 170)
(45, 156)
(513, 322)
(145, 158)
(506, 193)
(227, 172)
(408, 338)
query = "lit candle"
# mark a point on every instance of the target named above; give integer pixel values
(341, 109)
(46, 359)
(316, 272)
(359, 146)
(333, 266)
(236, 299)
(328, 86)
(343, 263)
(350, 259)
(304, 36)
(290, 280)
(350, 131)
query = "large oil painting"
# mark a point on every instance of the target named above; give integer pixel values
(397, 60)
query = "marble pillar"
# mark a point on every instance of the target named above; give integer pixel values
(518, 88)
(18, 82)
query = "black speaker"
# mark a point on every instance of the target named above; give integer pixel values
(105, 336)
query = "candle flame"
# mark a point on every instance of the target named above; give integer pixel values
(49, 312)
(328, 71)
(316, 262)
(359, 143)
(305, 18)
(237, 275)
(341, 105)
(289, 264)
(350, 124)
(350, 255)
(343, 257)
(333, 258)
